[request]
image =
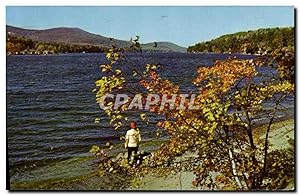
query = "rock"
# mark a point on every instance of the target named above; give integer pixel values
(107, 144)
(119, 156)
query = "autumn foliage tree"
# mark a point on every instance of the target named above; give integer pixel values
(231, 94)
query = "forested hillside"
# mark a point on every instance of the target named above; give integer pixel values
(21, 45)
(252, 42)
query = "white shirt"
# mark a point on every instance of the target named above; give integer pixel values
(133, 137)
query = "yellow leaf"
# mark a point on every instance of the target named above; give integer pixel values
(143, 116)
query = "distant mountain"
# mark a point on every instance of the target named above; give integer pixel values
(79, 36)
(163, 46)
(64, 35)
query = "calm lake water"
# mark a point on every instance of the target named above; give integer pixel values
(51, 107)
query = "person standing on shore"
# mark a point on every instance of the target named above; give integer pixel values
(132, 140)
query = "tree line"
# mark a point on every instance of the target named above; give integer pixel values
(252, 42)
(22, 45)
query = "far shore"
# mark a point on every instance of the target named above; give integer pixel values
(66, 53)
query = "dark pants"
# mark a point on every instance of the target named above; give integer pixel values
(131, 150)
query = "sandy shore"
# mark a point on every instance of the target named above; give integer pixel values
(280, 134)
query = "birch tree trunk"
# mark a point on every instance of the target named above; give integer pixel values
(234, 171)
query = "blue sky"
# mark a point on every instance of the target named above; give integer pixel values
(181, 25)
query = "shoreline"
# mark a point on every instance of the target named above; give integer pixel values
(280, 136)
(81, 173)
(196, 53)
(75, 173)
